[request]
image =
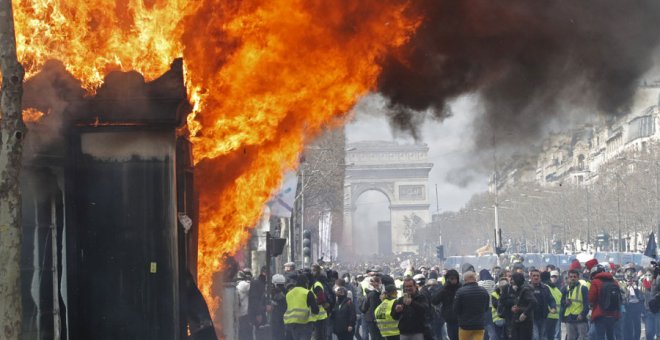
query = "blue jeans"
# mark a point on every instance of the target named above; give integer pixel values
(364, 329)
(491, 331)
(650, 321)
(604, 328)
(300, 332)
(538, 332)
(437, 326)
(632, 322)
(550, 328)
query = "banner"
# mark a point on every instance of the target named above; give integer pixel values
(281, 205)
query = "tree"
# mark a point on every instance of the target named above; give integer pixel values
(12, 133)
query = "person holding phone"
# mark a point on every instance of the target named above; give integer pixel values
(411, 311)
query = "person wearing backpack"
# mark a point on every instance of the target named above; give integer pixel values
(605, 299)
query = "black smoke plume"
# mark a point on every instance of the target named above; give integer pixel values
(528, 60)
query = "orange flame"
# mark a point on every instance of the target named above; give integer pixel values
(264, 78)
(94, 37)
(32, 115)
(268, 79)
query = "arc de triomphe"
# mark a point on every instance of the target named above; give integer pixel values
(400, 172)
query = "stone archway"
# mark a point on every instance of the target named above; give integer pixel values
(398, 171)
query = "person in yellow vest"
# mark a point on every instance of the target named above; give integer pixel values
(550, 279)
(388, 326)
(498, 321)
(574, 307)
(320, 291)
(301, 309)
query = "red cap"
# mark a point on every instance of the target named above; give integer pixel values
(591, 263)
(575, 264)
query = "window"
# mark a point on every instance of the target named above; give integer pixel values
(641, 127)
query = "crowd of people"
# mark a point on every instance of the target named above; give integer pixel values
(588, 301)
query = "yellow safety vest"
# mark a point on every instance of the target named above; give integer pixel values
(364, 285)
(575, 296)
(386, 323)
(585, 283)
(494, 296)
(556, 293)
(297, 310)
(322, 315)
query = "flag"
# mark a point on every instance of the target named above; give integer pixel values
(651, 247)
(281, 204)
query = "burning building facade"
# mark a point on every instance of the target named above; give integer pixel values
(109, 212)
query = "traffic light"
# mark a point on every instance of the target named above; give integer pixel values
(440, 252)
(307, 243)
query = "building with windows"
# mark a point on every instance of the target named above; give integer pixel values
(575, 157)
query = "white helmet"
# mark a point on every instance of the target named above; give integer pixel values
(606, 266)
(279, 279)
(420, 279)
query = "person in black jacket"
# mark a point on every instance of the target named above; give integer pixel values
(411, 311)
(369, 305)
(278, 301)
(523, 309)
(544, 303)
(446, 297)
(470, 304)
(344, 315)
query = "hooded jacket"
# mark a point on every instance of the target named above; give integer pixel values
(445, 297)
(523, 297)
(594, 294)
(486, 281)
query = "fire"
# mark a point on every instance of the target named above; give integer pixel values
(94, 37)
(32, 115)
(277, 73)
(264, 78)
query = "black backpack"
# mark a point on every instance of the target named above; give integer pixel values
(609, 296)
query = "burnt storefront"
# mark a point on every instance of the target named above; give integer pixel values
(109, 213)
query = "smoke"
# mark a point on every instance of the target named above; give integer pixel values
(530, 61)
(53, 91)
(124, 97)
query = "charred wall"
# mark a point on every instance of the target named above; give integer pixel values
(119, 174)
